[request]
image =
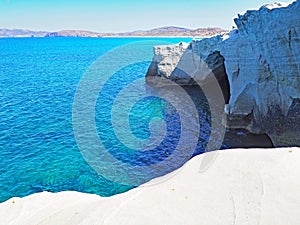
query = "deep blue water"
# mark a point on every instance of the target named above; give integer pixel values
(38, 151)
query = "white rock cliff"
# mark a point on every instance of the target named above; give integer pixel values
(261, 61)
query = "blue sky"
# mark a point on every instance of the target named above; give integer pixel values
(118, 15)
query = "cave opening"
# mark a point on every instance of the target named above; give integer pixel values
(236, 136)
(216, 62)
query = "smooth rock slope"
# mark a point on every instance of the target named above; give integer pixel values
(257, 66)
(248, 187)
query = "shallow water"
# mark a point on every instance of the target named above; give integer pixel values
(38, 81)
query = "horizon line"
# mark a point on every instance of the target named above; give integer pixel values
(107, 32)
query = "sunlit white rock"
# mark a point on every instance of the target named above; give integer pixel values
(262, 61)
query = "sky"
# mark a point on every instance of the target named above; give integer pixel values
(121, 15)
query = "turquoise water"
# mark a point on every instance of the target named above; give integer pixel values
(38, 151)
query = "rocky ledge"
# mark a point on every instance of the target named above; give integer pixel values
(257, 66)
(242, 186)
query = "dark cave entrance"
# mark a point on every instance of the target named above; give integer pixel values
(215, 62)
(234, 137)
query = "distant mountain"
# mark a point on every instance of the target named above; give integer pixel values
(168, 31)
(162, 30)
(176, 32)
(73, 33)
(21, 33)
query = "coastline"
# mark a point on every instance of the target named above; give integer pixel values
(67, 92)
(242, 186)
(117, 37)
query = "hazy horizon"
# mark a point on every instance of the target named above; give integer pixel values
(117, 16)
(136, 30)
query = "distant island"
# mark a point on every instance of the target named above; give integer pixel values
(168, 31)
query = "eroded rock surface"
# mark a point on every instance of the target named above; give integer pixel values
(260, 60)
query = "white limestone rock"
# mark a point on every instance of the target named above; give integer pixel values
(165, 59)
(262, 61)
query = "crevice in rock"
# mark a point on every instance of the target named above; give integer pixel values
(290, 38)
(236, 74)
(215, 62)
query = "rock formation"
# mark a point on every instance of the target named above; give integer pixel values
(260, 60)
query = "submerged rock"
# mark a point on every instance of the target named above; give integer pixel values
(259, 62)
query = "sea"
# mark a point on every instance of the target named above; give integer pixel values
(44, 135)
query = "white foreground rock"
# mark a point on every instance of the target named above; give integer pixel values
(244, 187)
